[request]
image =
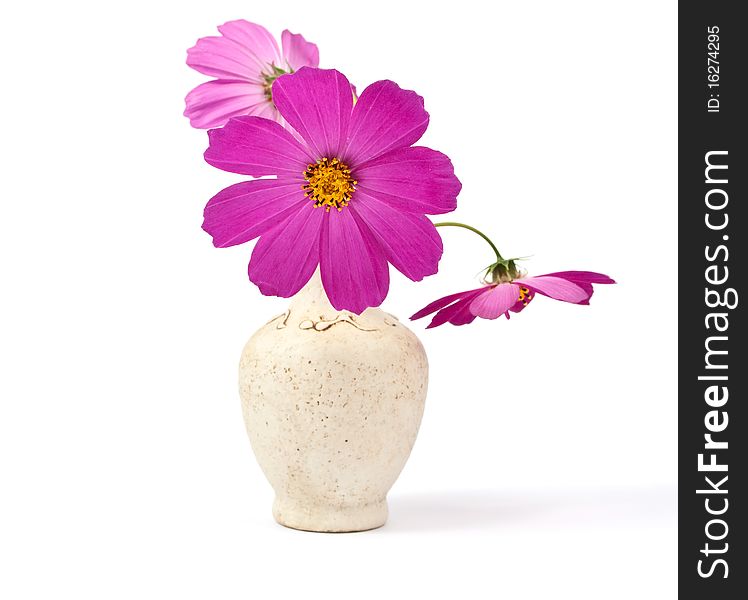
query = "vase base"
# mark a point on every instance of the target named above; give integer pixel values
(329, 519)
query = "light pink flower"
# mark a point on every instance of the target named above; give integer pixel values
(493, 300)
(245, 60)
(350, 194)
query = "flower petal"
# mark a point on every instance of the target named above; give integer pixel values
(458, 313)
(584, 279)
(442, 302)
(256, 146)
(353, 268)
(386, 117)
(463, 316)
(255, 41)
(415, 179)
(286, 257)
(213, 103)
(297, 52)
(521, 305)
(243, 211)
(218, 57)
(495, 301)
(581, 276)
(410, 241)
(317, 103)
(556, 288)
(243, 51)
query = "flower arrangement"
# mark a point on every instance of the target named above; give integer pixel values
(336, 174)
(333, 390)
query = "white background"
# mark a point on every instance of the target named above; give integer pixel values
(546, 462)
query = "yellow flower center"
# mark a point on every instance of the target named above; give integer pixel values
(329, 184)
(524, 295)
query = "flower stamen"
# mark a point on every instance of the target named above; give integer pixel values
(524, 295)
(329, 184)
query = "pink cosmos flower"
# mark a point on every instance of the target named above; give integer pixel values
(496, 299)
(245, 60)
(348, 196)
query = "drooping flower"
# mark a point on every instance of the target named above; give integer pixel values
(350, 195)
(510, 294)
(245, 61)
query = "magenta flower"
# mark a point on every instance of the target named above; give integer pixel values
(495, 299)
(350, 195)
(245, 60)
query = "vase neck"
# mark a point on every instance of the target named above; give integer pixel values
(313, 295)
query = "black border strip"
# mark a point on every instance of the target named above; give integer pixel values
(712, 175)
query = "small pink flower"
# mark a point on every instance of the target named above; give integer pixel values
(496, 299)
(245, 60)
(349, 195)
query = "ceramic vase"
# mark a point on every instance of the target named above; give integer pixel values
(332, 403)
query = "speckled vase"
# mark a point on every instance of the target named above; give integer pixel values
(332, 402)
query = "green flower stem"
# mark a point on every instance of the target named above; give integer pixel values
(499, 258)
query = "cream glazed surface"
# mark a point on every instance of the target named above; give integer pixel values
(332, 402)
